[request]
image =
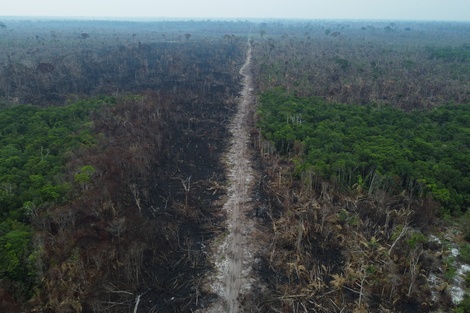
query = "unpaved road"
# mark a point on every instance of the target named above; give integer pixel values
(233, 256)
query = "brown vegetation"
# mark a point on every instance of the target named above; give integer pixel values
(353, 252)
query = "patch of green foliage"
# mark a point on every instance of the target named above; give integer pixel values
(34, 143)
(460, 53)
(422, 152)
(464, 306)
(416, 239)
(464, 253)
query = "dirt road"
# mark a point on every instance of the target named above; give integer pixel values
(233, 256)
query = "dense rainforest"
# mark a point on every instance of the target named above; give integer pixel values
(34, 143)
(371, 148)
(112, 141)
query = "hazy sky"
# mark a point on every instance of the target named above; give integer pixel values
(456, 10)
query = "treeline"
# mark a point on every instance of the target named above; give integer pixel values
(35, 144)
(421, 66)
(78, 71)
(50, 62)
(372, 147)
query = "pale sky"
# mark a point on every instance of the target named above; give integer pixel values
(447, 10)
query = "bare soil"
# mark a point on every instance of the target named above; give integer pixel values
(233, 251)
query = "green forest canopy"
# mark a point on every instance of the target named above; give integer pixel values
(33, 146)
(423, 152)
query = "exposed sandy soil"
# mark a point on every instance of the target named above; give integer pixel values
(233, 253)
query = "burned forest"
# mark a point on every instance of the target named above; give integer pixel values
(133, 200)
(234, 166)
